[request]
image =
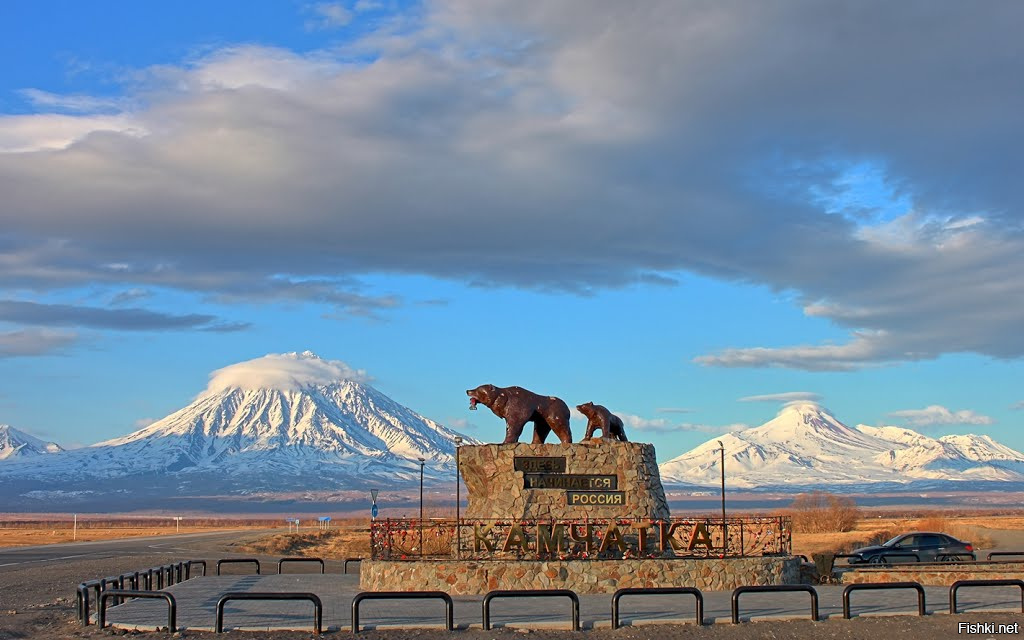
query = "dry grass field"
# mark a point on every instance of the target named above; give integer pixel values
(31, 532)
(975, 528)
(346, 539)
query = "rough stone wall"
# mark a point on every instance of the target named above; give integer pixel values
(934, 576)
(474, 577)
(495, 488)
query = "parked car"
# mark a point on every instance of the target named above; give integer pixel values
(927, 546)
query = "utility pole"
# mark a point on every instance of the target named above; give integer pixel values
(725, 527)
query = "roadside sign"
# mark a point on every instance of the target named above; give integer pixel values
(373, 511)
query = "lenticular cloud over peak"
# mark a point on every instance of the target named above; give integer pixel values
(283, 372)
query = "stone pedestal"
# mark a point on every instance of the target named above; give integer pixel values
(474, 577)
(591, 479)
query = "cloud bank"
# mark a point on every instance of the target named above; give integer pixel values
(610, 144)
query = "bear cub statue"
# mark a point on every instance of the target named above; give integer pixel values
(599, 417)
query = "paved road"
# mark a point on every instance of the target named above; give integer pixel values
(188, 543)
(196, 606)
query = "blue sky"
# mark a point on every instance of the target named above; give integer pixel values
(690, 213)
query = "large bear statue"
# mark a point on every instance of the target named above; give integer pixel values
(519, 406)
(599, 417)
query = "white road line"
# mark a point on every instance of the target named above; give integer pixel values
(11, 564)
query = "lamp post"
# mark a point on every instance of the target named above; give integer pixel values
(422, 462)
(458, 499)
(725, 527)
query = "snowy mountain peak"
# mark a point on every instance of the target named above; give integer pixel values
(805, 445)
(18, 444)
(982, 448)
(290, 420)
(809, 428)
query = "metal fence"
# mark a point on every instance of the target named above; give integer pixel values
(586, 539)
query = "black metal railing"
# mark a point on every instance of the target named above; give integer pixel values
(224, 561)
(280, 563)
(318, 607)
(532, 593)
(449, 605)
(657, 591)
(874, 586)
(994, 554)
(772, 588)
(120, 594)
(348, 560)
(959, 584)
(188, 567)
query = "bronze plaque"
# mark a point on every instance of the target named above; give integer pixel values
(578, 482)
(595, 498)
(538, 464)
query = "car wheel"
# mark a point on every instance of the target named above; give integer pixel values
(878, 560)
(946, 558)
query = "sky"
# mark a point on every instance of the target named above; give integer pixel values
(689, 212)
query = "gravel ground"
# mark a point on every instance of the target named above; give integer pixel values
(40, 604)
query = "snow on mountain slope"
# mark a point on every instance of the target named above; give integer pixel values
(15, 444)
(805, 445)
(284, 417)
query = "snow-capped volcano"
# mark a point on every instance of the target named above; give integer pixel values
(805, 445)
(15, 444)
(282, 422)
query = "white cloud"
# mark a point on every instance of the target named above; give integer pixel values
(674, 410)
(27, 133)
(1018, 405)
(142, 423)
(662, 425)
(328, 15)
(938, 415)
(787, 397)
(34, 342)
(462, 424)
(80, 103)
(645, 424)
(647, 135)
(283, 371)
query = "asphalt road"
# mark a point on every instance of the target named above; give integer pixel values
(13, 558)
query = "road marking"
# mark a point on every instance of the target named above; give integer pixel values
(11, 564)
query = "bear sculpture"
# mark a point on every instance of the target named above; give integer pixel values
(518, 406)
(599, 417)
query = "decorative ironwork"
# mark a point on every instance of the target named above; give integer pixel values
(581, 539)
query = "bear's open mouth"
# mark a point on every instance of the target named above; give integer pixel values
(472, 403)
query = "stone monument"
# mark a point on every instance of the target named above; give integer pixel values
(590, 516)
(599, 478)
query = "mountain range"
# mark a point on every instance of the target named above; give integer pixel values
(296, 425)
(806, 446)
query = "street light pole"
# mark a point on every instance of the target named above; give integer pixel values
(422, 462)
(725, 527)
(458, 499)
